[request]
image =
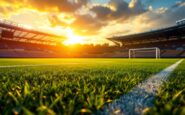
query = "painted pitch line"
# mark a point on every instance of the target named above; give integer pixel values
(32, 65)
(141, 96)
(12, 66)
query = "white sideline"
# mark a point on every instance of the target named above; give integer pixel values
(141, 96)
(32, 65)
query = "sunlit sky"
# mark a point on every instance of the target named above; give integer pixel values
(91, 21)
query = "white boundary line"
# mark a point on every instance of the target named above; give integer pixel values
(33, 65)
(141, 96)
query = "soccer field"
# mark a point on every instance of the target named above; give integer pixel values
(70, 86)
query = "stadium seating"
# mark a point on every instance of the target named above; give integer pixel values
(22, 49)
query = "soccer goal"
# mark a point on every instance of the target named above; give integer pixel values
(153, 52)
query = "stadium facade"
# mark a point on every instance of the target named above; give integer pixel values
(170, 40)
(17, 41)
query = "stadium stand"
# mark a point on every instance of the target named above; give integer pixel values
(170, 40)
(16, 41)
(20, 49)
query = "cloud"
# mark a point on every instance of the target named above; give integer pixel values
(122, 9)
(163, 17)
(7, 10)
(178, 4)
(95, 17)
(88, 19)
(146, 21)
(68, 6)
(57, 5)
(55, 21)
(102, 12)
(137, 7)
(87, 24)
(118, 12)
(118, 9)
(9, 7)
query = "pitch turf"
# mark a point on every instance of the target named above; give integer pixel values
(69, 86)
(171, 97)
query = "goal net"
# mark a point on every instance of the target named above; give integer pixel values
(144, 53)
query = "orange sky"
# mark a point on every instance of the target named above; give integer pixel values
(84, 21)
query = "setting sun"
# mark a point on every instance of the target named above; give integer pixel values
(72, 38)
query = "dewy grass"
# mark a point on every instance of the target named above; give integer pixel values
(70, 86)
(171, 98)
(141, 96)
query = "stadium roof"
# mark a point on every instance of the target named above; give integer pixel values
(16, 32)
(164, 34)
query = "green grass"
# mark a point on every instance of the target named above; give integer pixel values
(171, 98)
(70, 86)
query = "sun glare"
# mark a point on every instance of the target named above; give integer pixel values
(72, 38)
(28, 27)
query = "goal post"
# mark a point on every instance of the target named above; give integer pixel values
(153, 52)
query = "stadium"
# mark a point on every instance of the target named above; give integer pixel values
(134, 72)
(17, 41)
